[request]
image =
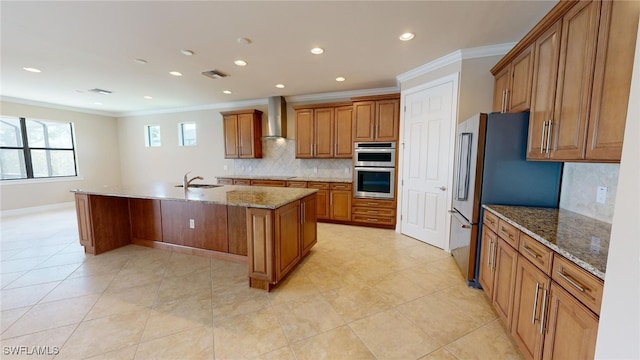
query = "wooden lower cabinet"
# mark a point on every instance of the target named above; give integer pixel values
(488, 244)
(103, 222)
(506, 259)
(322, 199)
(308, 209)
(225, 181)
(273, 183)
(376, 212)
(288, 249)
(571, 328)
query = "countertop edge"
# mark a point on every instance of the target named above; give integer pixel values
(584, 265)
(295, 178)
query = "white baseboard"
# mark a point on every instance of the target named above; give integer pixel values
(36, 209)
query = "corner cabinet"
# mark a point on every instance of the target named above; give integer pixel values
(242, 134)
(512, 88)
(323, 131)
(376, 118)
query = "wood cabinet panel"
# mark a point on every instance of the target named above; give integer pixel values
(309, 226)
(363, 120)
(209, 230)
(509, 233)
(212, 232)
(304, 133)
(387, 120)
(521, 72)
(237, 229)
(579, 283)
(297, 184)
(110, 223)
(85, 228)
(343, 147)
(287, 238)
(487, 254)
(500, 86)
(340, 205)
(225, 181)
(271, 183)
(506, 259)
(612, 79)
(175, 222)
(230, 129)
(242, 134)
(374, 203)
(538, 254)
(260, 245)
(146, 219)
(491, 221)
(324, 131)
(572, 329)
(245, 182)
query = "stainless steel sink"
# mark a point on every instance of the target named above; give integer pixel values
(201, 186)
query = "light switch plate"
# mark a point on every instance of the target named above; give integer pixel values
(601, 195)
(192, 224)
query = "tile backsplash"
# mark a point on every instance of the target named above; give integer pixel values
(279, 159)
(580, 182)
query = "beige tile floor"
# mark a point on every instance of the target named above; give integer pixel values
(361, 294)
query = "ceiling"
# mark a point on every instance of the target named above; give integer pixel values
(82, 45)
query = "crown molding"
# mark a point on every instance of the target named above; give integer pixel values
(217, 106)
(55, 106)
(455, 57)
(341, 94)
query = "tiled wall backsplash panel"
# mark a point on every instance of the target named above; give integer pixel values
(279, 159)
(579, 186)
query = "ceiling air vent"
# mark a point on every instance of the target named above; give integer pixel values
(101, 91)
(214, 74)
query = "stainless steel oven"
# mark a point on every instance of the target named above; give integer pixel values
(378, 154)
(374, 182)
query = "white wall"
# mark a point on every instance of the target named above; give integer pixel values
(579, 184)
(619, 330)
(96, 151)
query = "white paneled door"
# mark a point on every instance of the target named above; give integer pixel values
(429, 118)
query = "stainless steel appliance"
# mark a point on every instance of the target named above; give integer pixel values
(378, 154)
(374, 182)
(491, 168)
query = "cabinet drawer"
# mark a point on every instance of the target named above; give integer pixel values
(374, 203)
(508, 232)
(318, 185)
(275, 183)
(386, 212)
(297, 184)
(539, 255)
(340, 186)
(225, 181)
(241, 182)
(373, 219)
(491, 221)
(584, 286)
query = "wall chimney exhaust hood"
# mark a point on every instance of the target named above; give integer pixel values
(277, 121)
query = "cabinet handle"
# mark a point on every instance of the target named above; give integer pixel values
(505, 232)
(571, 281)
(372, 220)
(544, 132)
(549, 136)
(489, 254)
(543, 316)
(535, 304)
(372, 212)
(530, 252)
(503, 102)
(372, 204)
(335, 149)
(506, 100)
(492, 250)
(311, 149)
(490, 221)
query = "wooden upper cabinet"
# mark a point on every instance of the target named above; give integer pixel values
(376, 118)
(323, 131)
(575, 76)
(612, 79)
(519, 91)
(242, 134)
(500, 87)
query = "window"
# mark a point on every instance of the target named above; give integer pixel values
(187, 134)
(152, 136)
(36, 149)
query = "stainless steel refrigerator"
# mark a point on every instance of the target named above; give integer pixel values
(491, 168)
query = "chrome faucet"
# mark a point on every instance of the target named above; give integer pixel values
(186, 182)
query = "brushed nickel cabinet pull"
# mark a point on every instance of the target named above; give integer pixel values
(372, 220)
(530, 252)
(549, 136)
(543, 316)
(506, 100)
(535, 304)
(544, 133)
(504, 103)
(504, 231)
(571, 281)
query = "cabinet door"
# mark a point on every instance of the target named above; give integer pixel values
(322, 202)
(287, 238)
(343, 147)
(487, 254)
(545, 73)
(237, 229)
(364, 113)
(532, 287)
(309, 231)
(575, 78)
(340, 205)
(387, 120)
(519, 91)
(304, 133)
(246, 135)
(500, 87)
(324, 121)
(230, 127)
(504, 280)
(85, 228)
(612, 79)
(571, 330)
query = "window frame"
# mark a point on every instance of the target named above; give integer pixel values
(147, 136)
(26, 150)
(181, 141)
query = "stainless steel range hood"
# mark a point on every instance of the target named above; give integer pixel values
(277, 122)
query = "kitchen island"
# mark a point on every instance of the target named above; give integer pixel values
(270, 229)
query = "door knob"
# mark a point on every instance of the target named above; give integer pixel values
(442, 188)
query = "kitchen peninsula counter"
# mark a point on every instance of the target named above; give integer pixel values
(271, 229)
(581, 239)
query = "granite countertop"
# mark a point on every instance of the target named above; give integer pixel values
(581, 239)
(289, 178)
(235, 195)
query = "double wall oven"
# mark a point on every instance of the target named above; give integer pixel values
(374, 170)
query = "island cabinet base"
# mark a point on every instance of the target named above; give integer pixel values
(103, 222)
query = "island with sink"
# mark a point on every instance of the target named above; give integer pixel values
(270, 229)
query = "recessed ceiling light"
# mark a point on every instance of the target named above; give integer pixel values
(140, 61)
(98, 103)
(175, 73)
(340, 79)
(148, 97)
(240, 62)
(227, 92)
(243, 41)
(406, 36)
(33, 70)
(280, 86)
(186, 52)
(317, 51)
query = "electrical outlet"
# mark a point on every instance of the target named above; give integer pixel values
(346, 170)
(315, 169)
(192, 224)
(250, 168)
(595, 245)
(226, 167)
(601, 195)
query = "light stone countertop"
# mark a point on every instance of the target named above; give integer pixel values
(235, 195)
(581, 239)
(288, 178)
